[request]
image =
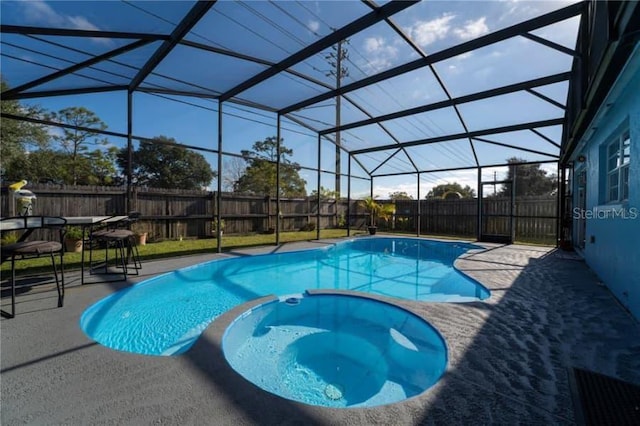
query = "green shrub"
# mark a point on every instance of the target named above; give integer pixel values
(10, 238)
(73, 233)
(310, 226)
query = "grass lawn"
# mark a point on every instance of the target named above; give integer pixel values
(171, 248)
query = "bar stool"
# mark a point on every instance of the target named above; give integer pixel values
(123, 241)
(23, 249)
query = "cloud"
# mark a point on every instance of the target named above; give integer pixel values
(39, 12)
(453, 69)
(472, 29)
(313, 26)
(427, 32)
(380, 54)
(383, 191)
(81, 23)
(372, 44)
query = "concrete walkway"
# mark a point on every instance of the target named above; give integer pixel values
(508, 356)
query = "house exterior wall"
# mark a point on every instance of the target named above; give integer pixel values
(612, 237)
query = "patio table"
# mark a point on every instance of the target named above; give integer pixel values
(87, 223)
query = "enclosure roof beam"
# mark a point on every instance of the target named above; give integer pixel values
(104, 132)
(302, 124)
(465, 135)
(63, 92)
(77, 67)
(546, 138)
(67, 32)
(511, 88)
(550, 44)
(546, 98)
(500, 35)
(389, 157)
(453, 169)
(260, 61)
(506, 145)
(62, 125)
(348, 30)
(361, 165)
(181, 30)
(165, 91)
(253, 59)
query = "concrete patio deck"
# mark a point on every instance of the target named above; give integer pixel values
(508, 356)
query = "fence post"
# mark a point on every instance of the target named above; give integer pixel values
(268, 201)
(133, 205)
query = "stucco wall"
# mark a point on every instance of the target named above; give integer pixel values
(612, 247)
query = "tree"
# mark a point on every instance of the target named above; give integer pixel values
(442, 191)
(260, 175)
(18, 138)
(325, 193)
(103, 167)
(400, 195)
(162, 163)
(43, 165)
(76, 141)
(233, 169)
(530, 179)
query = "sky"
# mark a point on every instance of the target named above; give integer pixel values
(274, 30)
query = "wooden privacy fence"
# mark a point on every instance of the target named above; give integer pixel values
(168, 214)
(535, 217)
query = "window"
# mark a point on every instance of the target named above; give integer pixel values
(618, 155)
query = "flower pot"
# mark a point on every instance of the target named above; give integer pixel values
(73, 245)
(372, 230)
(141, 239)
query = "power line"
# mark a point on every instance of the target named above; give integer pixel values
(273, 24)
(228, 113)
(135, 6)
(301, 4)
(281, 9)
(252, 31)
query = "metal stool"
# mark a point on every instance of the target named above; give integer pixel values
(23, 249)
(124, 242)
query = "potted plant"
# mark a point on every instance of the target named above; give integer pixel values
(141, 236)
(73, 239)
(214, 228)
(375, 209)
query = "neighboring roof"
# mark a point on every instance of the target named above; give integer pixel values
(281, 57)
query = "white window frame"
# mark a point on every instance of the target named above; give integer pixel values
(617, 159)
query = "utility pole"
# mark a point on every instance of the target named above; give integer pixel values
(340, 71)
(494, 183)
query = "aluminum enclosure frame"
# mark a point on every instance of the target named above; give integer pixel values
(377, 15)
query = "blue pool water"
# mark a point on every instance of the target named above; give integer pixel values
(165, 314)
(335, 350)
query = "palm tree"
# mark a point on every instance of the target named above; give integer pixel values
(372, 206)
(386, 211)
(375, 209)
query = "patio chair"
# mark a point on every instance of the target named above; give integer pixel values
(120, 237)
(26, 249)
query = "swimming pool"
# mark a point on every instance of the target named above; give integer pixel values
(166, 314)
(335, 350)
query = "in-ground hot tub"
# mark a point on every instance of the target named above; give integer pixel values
(335, 350)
